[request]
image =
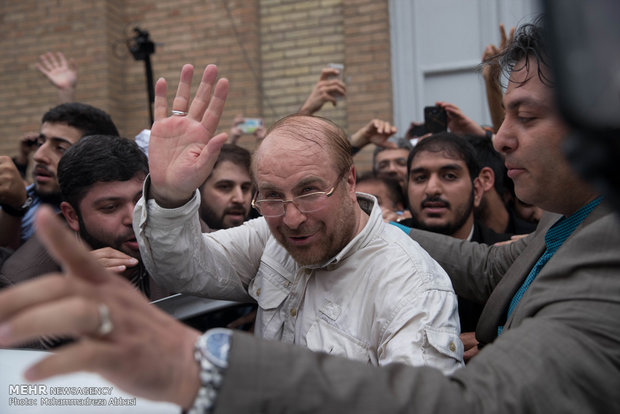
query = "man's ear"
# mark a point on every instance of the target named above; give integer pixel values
(70, 215)
(486, 178)
(351, 179)
(478, 191)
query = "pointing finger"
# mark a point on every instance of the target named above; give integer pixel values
(66, 249)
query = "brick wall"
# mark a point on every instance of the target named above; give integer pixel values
(272, 51)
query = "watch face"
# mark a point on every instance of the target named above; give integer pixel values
(217, 346)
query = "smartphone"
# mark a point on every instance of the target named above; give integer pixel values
(250, 125)
(435, 119)
(416, 130)
(339, 67)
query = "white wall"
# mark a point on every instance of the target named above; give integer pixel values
(437, 46)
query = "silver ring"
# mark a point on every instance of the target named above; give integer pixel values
(178, 113)
(105, 322)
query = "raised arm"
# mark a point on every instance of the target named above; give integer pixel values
(183, 147)
(374, 132)
(491, 76)
(458, 122)
(61, 73)
(327, 89)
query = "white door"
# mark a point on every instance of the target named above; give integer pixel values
(437, 47)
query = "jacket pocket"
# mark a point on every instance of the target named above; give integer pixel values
(270, 291)
(444, 343)
(324, 337)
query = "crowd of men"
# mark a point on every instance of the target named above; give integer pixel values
(385, 294)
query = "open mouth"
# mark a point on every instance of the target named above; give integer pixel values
(132, 243)
(42, 174)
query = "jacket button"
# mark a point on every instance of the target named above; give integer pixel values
(452, 347)
(293, 312)
(258, 292)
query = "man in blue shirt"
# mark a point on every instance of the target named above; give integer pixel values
(61, 127)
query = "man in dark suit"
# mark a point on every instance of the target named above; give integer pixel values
(552, 297)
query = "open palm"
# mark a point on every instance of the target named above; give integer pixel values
(183, 149)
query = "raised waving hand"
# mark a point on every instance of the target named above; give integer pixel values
(183, 147)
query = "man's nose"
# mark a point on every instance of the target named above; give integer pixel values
(505, 140)
(127, 218)
(433, 185)
(41, 156)
(293, 217)
(237, 195)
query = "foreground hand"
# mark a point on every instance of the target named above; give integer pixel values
(147, 352)
(376, 132)
(183, 149)
(113, 260)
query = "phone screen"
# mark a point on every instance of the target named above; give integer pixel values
(435, 119)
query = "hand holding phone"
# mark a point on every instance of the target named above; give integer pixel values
(250, 125)
(435, 119)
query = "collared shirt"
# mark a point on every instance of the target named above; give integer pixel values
(554, 238)
(381, 299)
(28, 219)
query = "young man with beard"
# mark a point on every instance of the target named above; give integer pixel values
(100, 180)
(61, 127)
(226, 194)
(325, 270)
(443, 190)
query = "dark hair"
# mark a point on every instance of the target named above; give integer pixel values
(98, 158)
(488, 157)
(83, 117)
(393, 187)
(453, 146)
(529, 42)
(235, 154)
(401, 143)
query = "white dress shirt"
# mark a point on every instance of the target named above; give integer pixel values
(382, 299)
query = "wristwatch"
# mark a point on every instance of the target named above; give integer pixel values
(18, 212)
(211, 353)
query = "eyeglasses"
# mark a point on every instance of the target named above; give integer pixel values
(306, 203)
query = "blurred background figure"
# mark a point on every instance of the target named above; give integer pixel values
(388, 194)
(226, 194)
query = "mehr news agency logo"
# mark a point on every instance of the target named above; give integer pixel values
(43, 395)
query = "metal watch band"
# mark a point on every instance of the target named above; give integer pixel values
(210, 372)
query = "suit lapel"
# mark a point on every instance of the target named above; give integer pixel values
(494, 311)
